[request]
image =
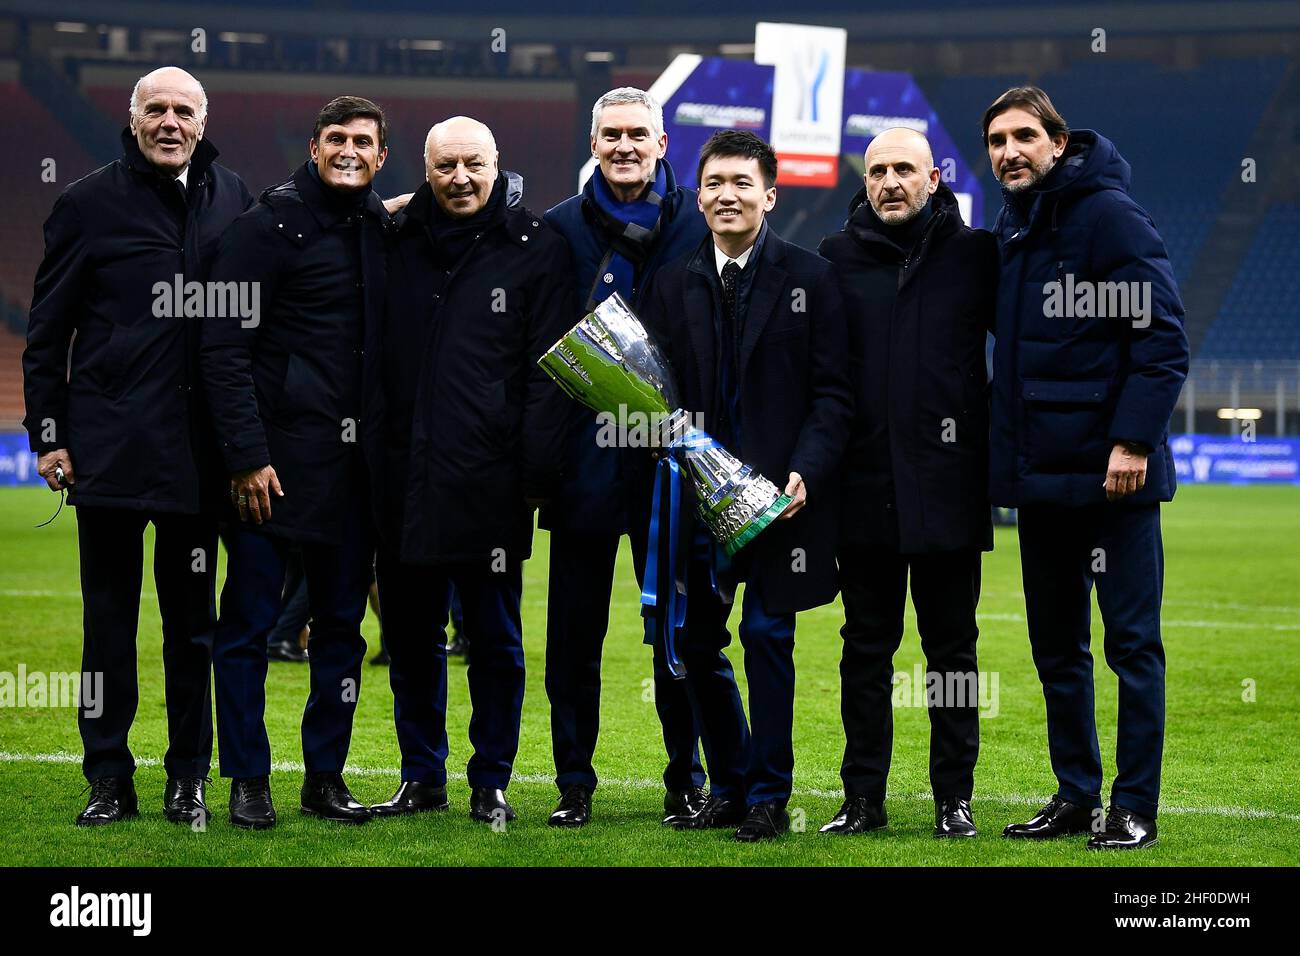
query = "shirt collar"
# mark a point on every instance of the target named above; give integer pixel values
(720, 258)
(183, 177)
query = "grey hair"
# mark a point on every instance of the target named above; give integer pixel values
(629, 94)
(135, 93)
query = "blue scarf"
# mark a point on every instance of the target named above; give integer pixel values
(630, 228)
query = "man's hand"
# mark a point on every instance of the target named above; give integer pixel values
(251, 492)
(1127, 472)
(46, 463)
(795, 488)
(397, 203)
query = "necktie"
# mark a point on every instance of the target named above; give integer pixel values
(730, 280)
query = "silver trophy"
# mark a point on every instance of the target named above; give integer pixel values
(609, 363)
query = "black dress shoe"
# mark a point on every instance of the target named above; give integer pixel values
(325, 795)
(1058, 818)
(183, 800)
(684, 802)
(952, 818)
(457, 646)
(715, 814)
(858, 815)
(111, 799)
(413, 797)
(764, 821)
(489, 805)
(381, 659)
(1125, 830)
(250, 803)
(574, 808)
(286, 651)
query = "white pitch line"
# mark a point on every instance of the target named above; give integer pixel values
(292, 766)
(1229, 625)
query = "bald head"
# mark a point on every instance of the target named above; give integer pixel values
(169, 111)
(900, 174)
(460, 162)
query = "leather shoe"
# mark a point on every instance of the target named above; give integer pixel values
(574, 808)
(183, 800)
(250, 803)
(1125, 830)
(715, 814)
(684, 802)
(489, 805)
(413, 797)
(764, 821)
(952, 818)
(858, 815)
(1058, 818)
(325, 795)
(111, 799)
(286, 651)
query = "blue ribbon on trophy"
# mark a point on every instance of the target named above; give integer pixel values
(609, 363)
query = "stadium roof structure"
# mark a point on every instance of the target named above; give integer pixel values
(669, 21)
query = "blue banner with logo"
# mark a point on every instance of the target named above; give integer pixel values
(17, 463)
(1227, 459)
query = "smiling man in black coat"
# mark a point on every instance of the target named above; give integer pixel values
(125, 425)
(920, 290)
(753, 326)
(291, 405)
(478, 288)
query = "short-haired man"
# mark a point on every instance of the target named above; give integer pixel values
(121, 424)
(478, 288)
(1083, 391)
(920, 290)
(291, 408)
(754, 328)
(630, 219)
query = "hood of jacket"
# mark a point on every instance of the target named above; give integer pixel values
(1090, 164)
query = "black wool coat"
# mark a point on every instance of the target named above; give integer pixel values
(126, 403)
(795, 399)
(916, 472)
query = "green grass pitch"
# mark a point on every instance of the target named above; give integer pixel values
(1231, 626)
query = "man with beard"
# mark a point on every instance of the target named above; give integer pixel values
(631, 218)
(916, 472)
(289, 402)
(478, 288)
(1082, 396)
(121, 424)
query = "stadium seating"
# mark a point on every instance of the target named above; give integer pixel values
(1260, 316)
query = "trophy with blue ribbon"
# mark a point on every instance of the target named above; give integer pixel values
(609, 363)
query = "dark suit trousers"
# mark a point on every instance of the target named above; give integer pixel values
(413, 600)
(945, 592)
(577, 618)
(111, 545)
(1062, 551)
(338, 579)
(757, 767)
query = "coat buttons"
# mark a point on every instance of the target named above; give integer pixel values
(523, 238)
(609, 277)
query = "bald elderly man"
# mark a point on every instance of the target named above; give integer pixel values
(478, 287)
(121, 425)
(920, 290)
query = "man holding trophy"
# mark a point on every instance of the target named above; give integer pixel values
(753, 337)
